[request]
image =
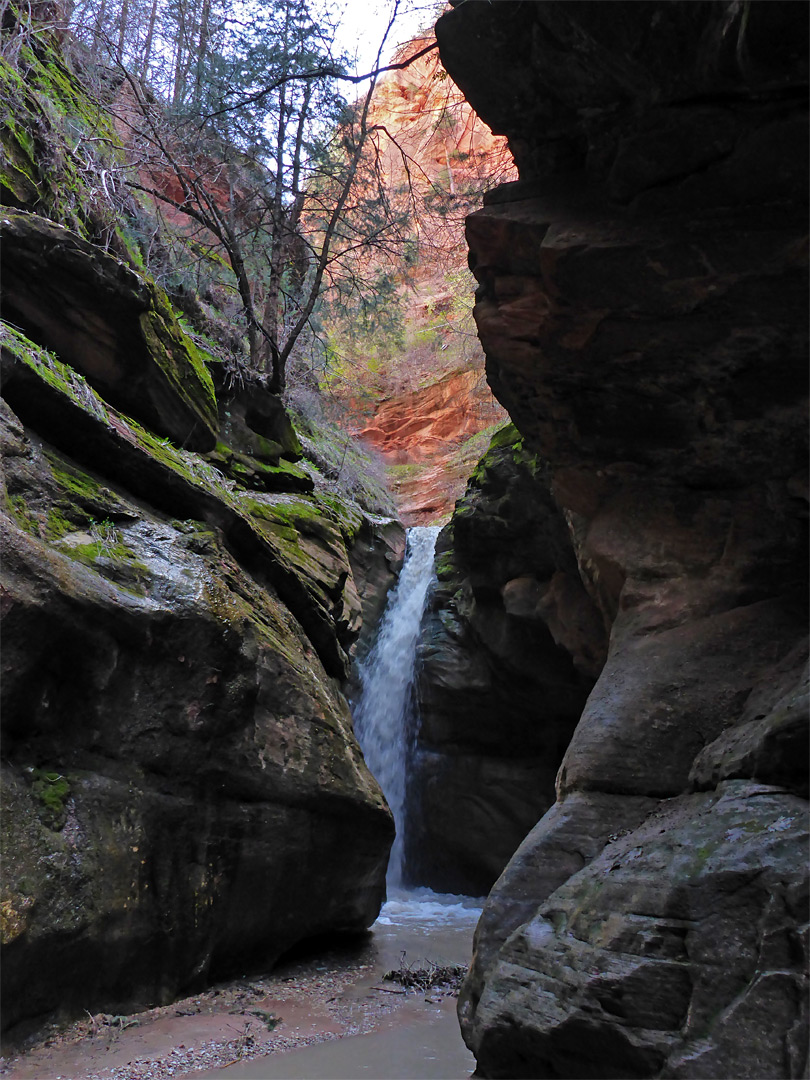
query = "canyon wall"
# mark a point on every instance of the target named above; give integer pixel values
(415, 390)
(510, 648)
(183, 795)
(642, 302)
(430, 440)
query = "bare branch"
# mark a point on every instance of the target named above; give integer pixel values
(327, 71)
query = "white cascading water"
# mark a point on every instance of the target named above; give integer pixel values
(386, 679)
(416, 926)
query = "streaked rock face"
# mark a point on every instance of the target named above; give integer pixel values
(423, 429)
(421, 406)
(643, 305)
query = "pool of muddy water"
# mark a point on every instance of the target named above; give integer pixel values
(421, 1038)
(416, 1041)
(333, 1015)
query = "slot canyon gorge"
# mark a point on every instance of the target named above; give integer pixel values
(605, 709)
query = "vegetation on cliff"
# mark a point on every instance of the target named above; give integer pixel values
(310, 239)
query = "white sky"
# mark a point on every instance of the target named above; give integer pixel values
(363, 23)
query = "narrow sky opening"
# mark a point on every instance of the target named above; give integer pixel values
(361, 26)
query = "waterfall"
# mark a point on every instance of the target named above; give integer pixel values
(386, 680)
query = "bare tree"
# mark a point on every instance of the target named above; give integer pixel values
(274, 178)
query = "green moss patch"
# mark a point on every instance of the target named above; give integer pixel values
(18, 509)
(255, 475)
(45, 113)
(48, 367)
(51, 789)
(57, 524)
(179, 358)
(508, 435)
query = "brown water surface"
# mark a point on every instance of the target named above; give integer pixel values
(331, 1015)
(419, 1041)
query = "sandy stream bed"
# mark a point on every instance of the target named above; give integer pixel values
(337, 993)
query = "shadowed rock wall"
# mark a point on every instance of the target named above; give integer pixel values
(642, 303)
(182, 790)
(510, 648)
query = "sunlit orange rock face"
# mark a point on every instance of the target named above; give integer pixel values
(428, 429)
(435, 140)
(416, 427)
(433, 397)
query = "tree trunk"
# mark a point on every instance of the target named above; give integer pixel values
(100, 19)
(180, 50)
(202, 48)
(270, 318)
(150, 37)
(122, 31)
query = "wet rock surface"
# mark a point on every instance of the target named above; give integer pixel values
(642, 304)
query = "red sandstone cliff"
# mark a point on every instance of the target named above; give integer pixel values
(425, 403)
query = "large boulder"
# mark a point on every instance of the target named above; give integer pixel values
(676, 952)
(643, 305)
(184, 793)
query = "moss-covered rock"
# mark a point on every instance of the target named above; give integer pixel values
(309, 567)
(183, 795)
(51, 789)
(110, 324)
(255, 475)
(46, 115)
(254, 422)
